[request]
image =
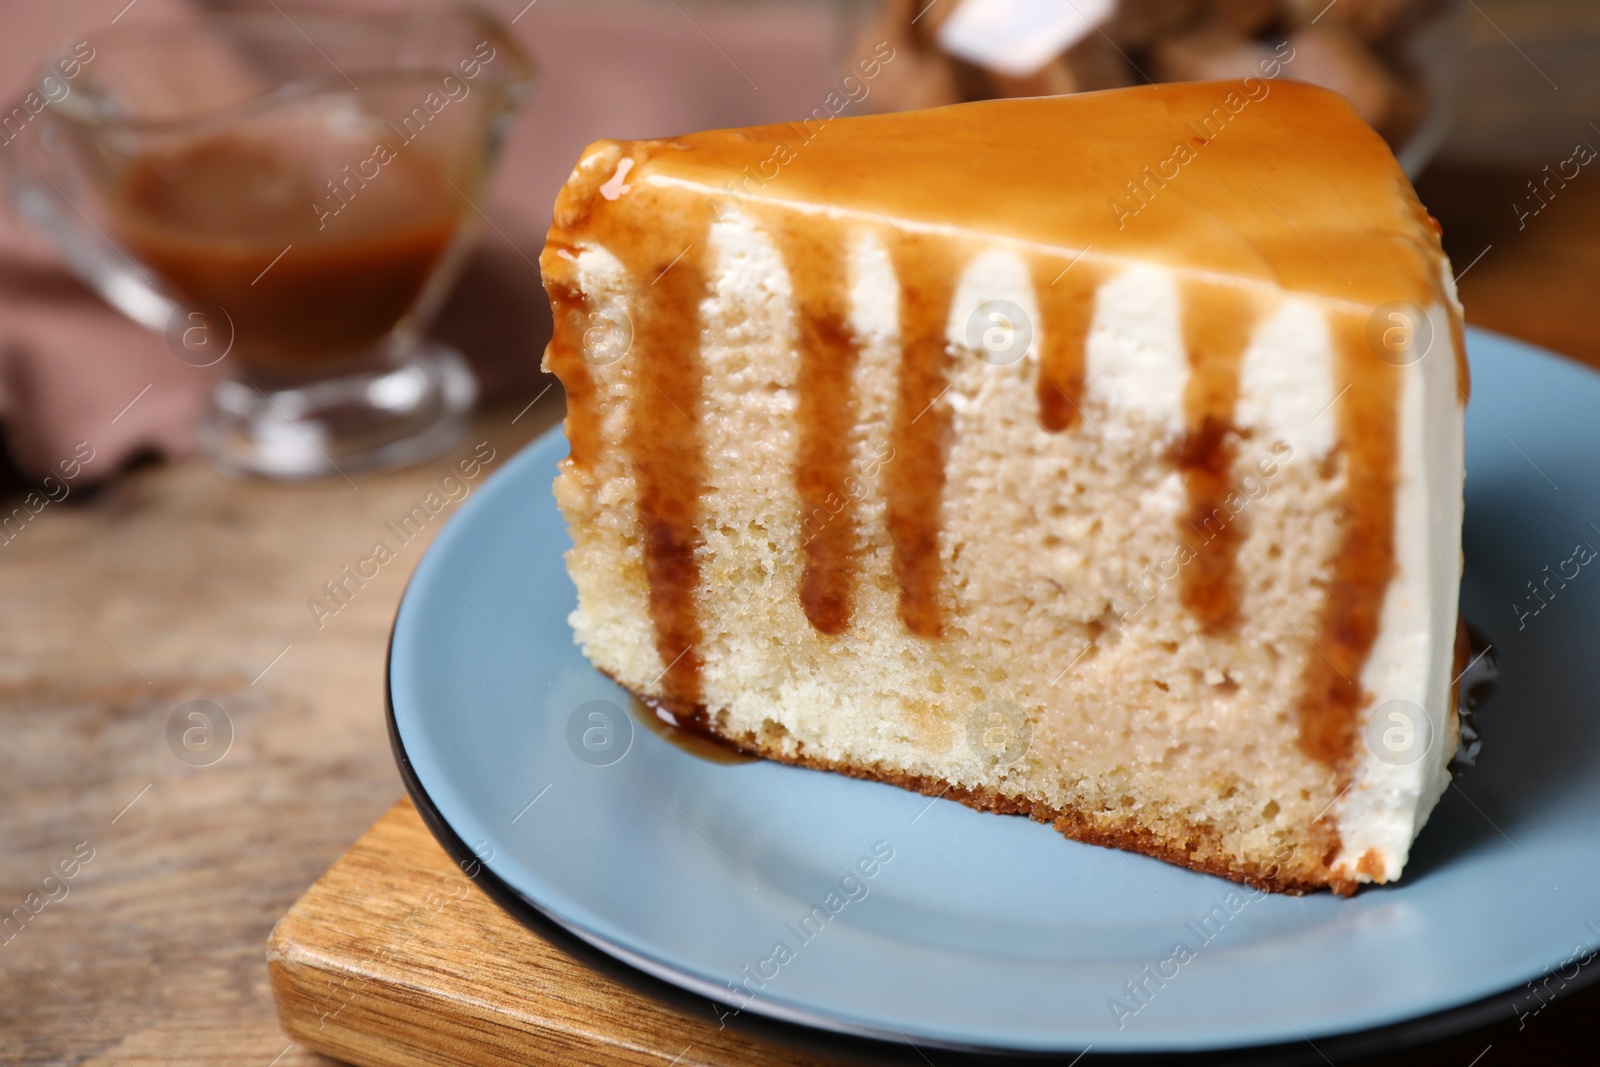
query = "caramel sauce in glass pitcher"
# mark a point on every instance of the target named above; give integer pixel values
(315, 241)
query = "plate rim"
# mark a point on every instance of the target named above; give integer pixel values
(794, 1026)
(827, 1035)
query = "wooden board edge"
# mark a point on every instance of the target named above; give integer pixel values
(330, 1002)
(357, 1017)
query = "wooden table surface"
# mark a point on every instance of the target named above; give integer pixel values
(177, 584)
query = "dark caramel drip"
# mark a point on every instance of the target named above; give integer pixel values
(666, 445)
(661, 237)
(690, 732)
(1065, 291)
(827, 420)
(565, 359)
(1331, 693)
(919, 435)
(1217, 321)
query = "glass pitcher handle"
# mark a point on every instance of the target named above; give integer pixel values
(48, 193)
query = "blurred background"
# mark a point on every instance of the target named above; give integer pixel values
(148, 579)
(1482, 100)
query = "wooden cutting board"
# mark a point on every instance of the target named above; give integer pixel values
(393, 958)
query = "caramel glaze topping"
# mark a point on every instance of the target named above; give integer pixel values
(1066, 304)
(1217, 321)
(920, 433)
(826, 414)
(1275, 183)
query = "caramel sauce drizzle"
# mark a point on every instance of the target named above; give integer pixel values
(827, 417)
(1330, 693)
(1066, 304)
(661, 238)
(691, 732)
(664, 440)
(565, 359)
(1217, 322)
(929, 168)
(920, 433)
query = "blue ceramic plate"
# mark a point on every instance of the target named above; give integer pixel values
(989, 932)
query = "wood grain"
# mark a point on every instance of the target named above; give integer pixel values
(179, 583)
(394, 959)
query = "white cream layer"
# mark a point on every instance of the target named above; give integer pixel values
(1406, 740)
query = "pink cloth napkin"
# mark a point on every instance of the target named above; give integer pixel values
(73, 370)
(69, 364)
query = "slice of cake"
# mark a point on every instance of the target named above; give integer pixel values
(1094, 457)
